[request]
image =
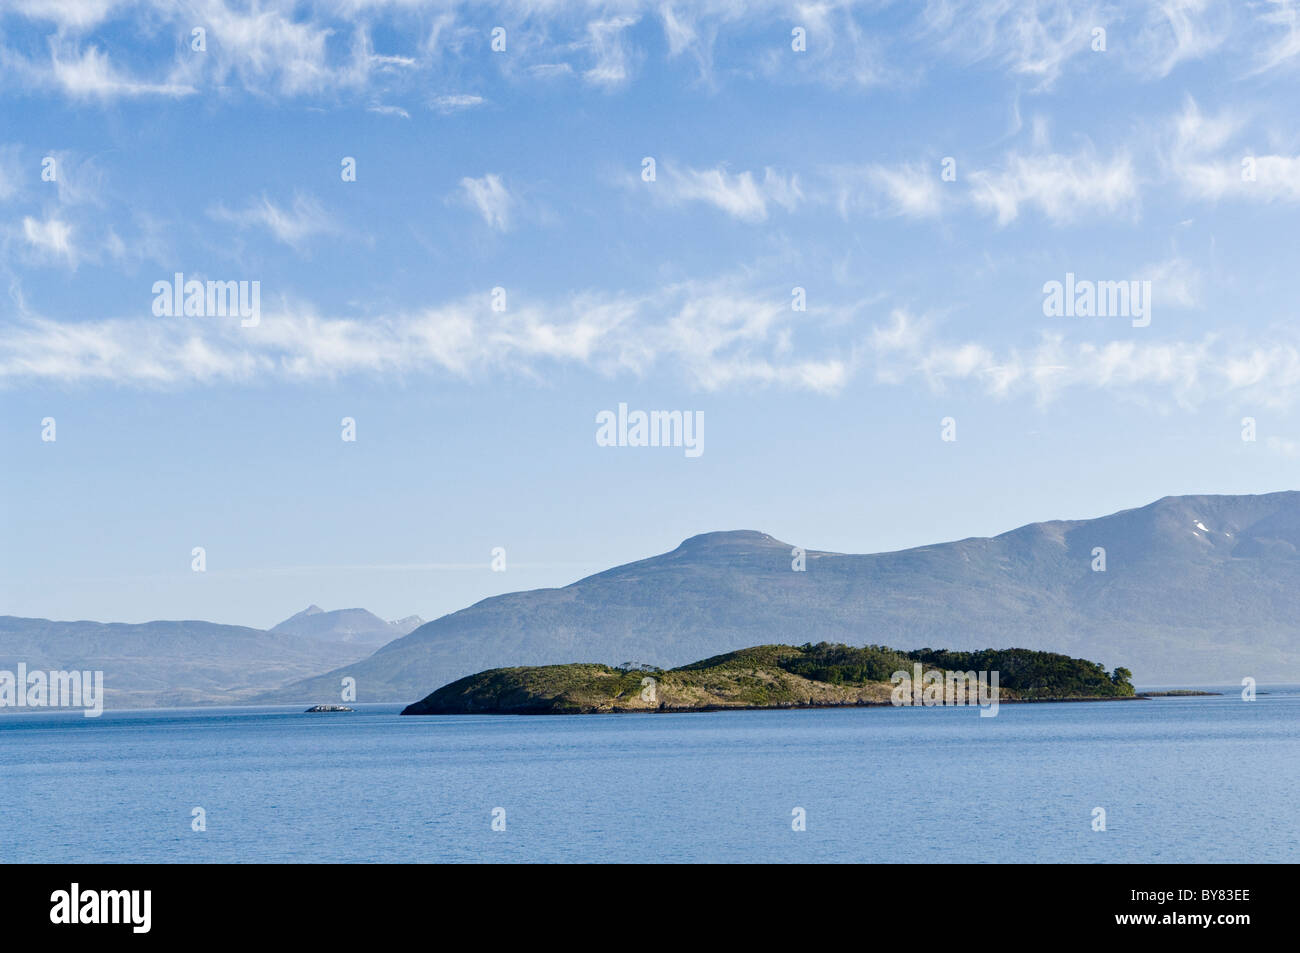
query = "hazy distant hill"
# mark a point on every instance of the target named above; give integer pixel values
(347, 625)
(168, 663)
(1196, 589)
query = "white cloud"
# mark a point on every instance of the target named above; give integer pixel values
(491, 198)
(90, 75)
(1064, 188)
(679, 29)
(384, 110)
(265, 46)
(1197, 158)
(1276, 177)
(741, 196)
(278, 47)
(456, 102)
(1030, 38)
(718, 334)
(66, 14)
(1187, 373)
(1181, 30)
(551, 70)
(910, 190)
(838, 50)
(293, 226)
(387, 62)
(1285, 48)
(721, 334)
(1195, 133)
(613, 60)
(51, 238)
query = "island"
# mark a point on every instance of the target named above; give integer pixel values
(319, 708)
(1179, 693)
(823, 675)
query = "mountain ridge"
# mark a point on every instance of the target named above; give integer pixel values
(175, 662)
(1194, 588)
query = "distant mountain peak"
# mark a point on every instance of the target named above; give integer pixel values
(729, 539)
(306, 613)
(346, 625)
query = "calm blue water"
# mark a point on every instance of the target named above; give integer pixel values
(1198, 779)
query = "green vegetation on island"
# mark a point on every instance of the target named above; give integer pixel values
(769, 676)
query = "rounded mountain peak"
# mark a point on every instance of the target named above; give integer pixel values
(730, 539)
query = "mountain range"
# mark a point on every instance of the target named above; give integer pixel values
(174, 663)
(1188, 590)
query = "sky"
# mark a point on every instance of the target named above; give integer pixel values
(503, 266)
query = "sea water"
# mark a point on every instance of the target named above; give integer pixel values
(1178, 779)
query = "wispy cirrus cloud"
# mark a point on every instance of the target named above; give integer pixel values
(455, 102)
(1062, 187)
(1281, 19)
(741, 195)
(1034, 40)
(612, 58)
(88, 74)
(1192, 155)
(909, 189)
(1187, 373)
(1178, 31)
(280, 48)
(489, 196)
(838, 49)
(1198, 160)
(50, 238)
(67, 14)
(718, 335)
(294, 226)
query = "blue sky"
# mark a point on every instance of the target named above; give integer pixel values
(522, 169)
